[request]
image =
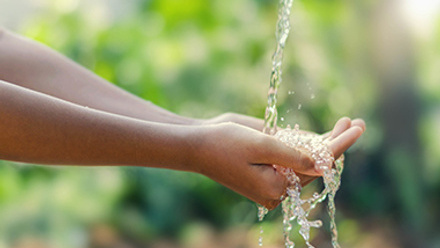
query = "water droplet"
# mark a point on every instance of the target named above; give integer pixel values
(299, 106)
(291, 92)
(282, 118)
(312, 96)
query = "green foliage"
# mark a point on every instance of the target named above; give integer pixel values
(201, 58)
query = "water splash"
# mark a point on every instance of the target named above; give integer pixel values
(294, 207)
(298, 209)
(262, 212)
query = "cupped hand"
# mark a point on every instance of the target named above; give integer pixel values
(338, 145)
(242, 158)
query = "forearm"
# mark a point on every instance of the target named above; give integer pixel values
(34, 66)
(41, 129)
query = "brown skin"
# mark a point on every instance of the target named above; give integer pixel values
(338, 146)
(42, 99)
(34, 66)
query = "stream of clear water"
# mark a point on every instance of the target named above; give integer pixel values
(282, 33)
(294, 207)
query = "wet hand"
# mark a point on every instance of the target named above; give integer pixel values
(338, 145)
(242, 159)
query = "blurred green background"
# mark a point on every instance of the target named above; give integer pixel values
(375, 59)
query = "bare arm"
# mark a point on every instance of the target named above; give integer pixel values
(32, 65)
(38, 128)
(41, 129)
(29, 64)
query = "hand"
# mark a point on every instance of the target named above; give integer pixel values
(341, 126)
(242, 159)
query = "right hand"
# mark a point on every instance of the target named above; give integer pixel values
(242, 159)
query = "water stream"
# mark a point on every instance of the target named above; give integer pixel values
(282, 32)
(294, 207)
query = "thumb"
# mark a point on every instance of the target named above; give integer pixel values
(281, 154)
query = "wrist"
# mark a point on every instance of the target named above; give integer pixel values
(198, 148)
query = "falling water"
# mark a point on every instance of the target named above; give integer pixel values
(297, 208)
(294, 207)
(271, 114)
(282, 32)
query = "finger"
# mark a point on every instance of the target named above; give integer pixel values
(341, 125)
(360, 123)
(356, 122)
(345, 140)
(289, 157)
